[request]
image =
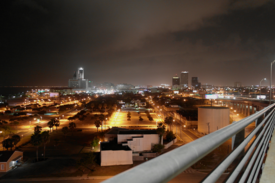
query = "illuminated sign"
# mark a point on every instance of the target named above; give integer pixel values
(261, 97)
(211, 96)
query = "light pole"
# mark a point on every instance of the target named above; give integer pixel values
(260, 87)
(270, 81)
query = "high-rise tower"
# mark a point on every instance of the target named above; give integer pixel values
(175, 80)
(184, 79)
(195, 83)
(80, 73)
(78, 81)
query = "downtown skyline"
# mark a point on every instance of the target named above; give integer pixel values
(137, 42)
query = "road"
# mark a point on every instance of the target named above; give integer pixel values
(193, 177)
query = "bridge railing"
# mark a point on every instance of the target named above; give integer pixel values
(169, 165)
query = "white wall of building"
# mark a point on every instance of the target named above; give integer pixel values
(120, 157)
(10, 162)
(211, 119)
(145, 142)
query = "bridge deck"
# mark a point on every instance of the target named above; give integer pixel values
(268, 175)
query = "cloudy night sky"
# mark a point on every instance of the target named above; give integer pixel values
(138, 42)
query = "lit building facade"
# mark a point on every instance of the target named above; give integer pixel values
(184, 79)
(78, 81)
(175, 80)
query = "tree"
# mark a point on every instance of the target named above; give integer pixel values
(96, 116)
(105, 106)
(97, 124)
(161, 131)
(72, 126)
(92, 106)
(8, 143)
(168, 121)
(56, 124)
(101, 118)
(128, 116)
(115, 107)
(37, 129)
(157, 148)
(51, 124)
(170, 136)
(95, 142)
(45, 136)
(6, 129)
(36, 140)
(65, 130)
(100, 107)
(16, 139)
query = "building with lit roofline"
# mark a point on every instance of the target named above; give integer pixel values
(78, 81)
(184, 79)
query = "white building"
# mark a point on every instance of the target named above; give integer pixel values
(122, 143)
(138, 140)
(115, 154)
(9, 159)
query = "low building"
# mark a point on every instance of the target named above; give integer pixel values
(9, 159)
(113, 153)
(123, 143)
(138, 140)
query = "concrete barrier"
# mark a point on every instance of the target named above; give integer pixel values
(138, 158)
(149, 155)
(170, 143)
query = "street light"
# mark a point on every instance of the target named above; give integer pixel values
(260, 87)
(271, 81)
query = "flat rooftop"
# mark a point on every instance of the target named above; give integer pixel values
(112, 145)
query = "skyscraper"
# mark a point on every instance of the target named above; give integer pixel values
(80, 73)
(78, 81)
(184, 79)
(195, 83)
(237, 84)
(175, 80)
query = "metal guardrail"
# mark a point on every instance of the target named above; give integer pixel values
(169, 165)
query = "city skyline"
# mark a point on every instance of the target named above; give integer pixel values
(124, 42)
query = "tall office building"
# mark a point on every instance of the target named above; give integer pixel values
(184, 79)
(237, 84)
(175, 80)
(195, 83)
(80, 73)
(78, 81)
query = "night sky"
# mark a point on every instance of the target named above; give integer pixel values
(139, 42)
